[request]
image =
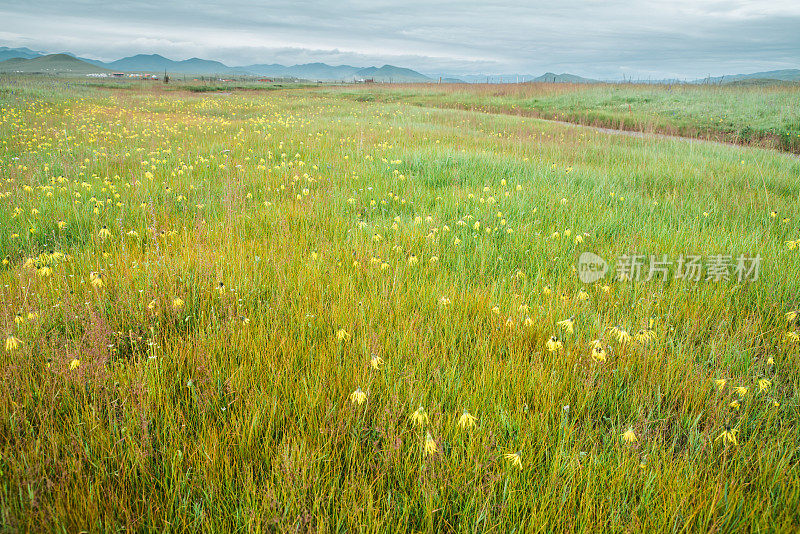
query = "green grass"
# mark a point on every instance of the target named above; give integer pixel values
(159, 401)
(759, 115)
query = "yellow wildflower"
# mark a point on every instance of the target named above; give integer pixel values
(763, 384)
(515, 458)
(568, 325)
(96, 279)
(629, 436)
(728, 436)
(12, 343)
(467, 420)
(430, 445)
(554, 344)
(420, 417)
(358, 397)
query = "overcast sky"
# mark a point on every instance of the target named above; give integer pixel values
(605, 39)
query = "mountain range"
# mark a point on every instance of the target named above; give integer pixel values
(25, 60)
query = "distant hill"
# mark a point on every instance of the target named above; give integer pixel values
(390, 73)
(157, 63)
(322, 71)
(785, 75)
(309, 71)
(25, 53)
(50, 64)
(518, 78)
(562, 78)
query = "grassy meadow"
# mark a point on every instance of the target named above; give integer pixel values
(357, 310)
(757, 115)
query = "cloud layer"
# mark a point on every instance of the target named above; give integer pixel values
(605, 39)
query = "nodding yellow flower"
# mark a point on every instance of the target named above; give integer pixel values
(342, 335)
(376, 362)
(412, 260)
(515, 458)
(420, 417)
(12, 343)
(358, 397)
(598, 354)
(96, 279)
(430, 445)
(622, 335)
(6, 260)
(763, 384)
(62, 224)
(554, 344)
(728, 436)
(221, 287)
(467, 420)
(583, 295)
(735, 405)
(74, 364)
(568, 324)
(629, 436)
(791, 316)
(741, 390)
(105, 232)
(773, 214)
(19, 319)
(720, 383)
(770, 361)
(151, 305)
(792, 336)
(177, 303)
(496, 310)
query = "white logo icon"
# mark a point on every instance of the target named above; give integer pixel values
(591, 267)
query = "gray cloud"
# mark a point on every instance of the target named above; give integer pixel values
(597, 38)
